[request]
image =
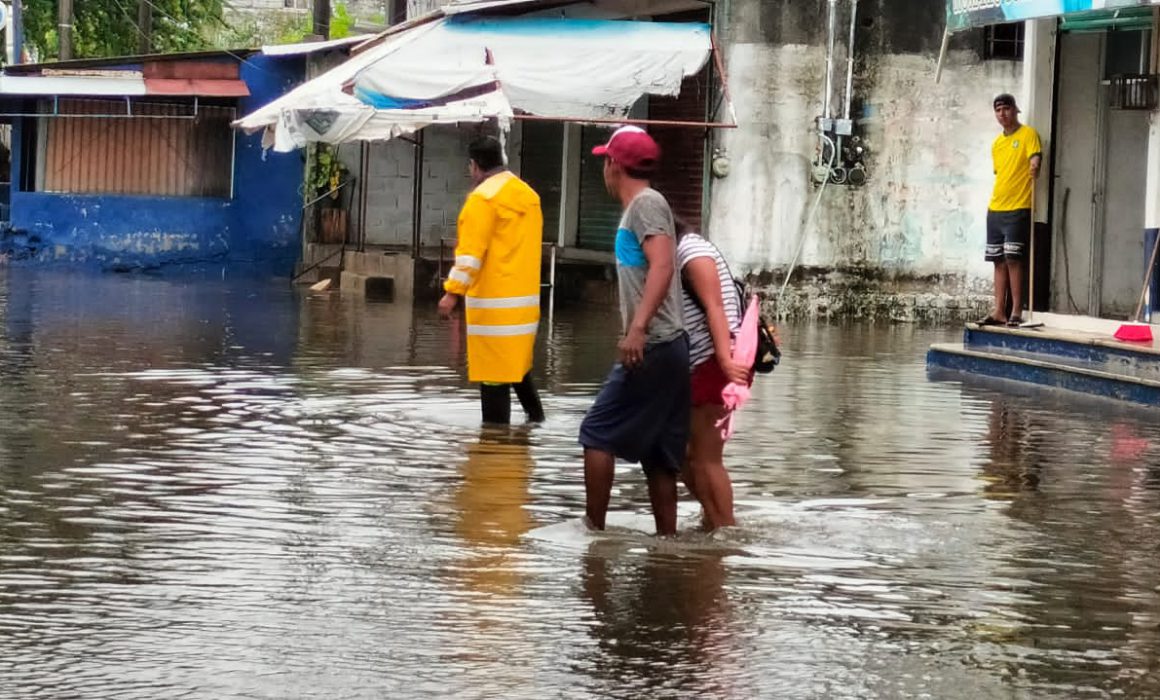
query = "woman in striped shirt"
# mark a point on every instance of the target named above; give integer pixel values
(712, 313)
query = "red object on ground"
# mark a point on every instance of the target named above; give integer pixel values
(1135, 333)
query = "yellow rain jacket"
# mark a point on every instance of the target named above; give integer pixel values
(497, 271)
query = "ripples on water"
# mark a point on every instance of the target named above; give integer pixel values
(236, 490)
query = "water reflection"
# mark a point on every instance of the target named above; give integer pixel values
(490, 510)
(1014, 445)
(218, 488)
(664, 619)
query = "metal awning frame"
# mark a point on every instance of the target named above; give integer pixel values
(127, 114)
(1133, 14)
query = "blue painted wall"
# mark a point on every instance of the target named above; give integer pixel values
(121, 232)
(268, 185)
(257, 230)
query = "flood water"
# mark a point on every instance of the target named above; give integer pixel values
(214, 489)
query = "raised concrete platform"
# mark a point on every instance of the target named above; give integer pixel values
(379, 275)
(1069, 352)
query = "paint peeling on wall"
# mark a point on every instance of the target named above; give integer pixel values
(916, 228)
(118, 232)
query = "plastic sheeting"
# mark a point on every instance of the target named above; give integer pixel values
(964, 14)
(469, 70)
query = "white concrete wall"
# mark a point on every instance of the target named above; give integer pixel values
(923, 209)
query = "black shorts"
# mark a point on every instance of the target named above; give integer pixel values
(1007, 233)
(642, 414)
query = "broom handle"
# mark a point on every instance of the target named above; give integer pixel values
(1031, 272)
(1147, 279)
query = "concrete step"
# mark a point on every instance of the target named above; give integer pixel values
(1076, 349)
(1047, 370)
(378, 275)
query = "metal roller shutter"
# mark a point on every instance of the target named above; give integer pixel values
(541, 155)
(599, 212)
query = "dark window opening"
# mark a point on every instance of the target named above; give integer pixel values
(379, 289)
(1126, 53)
(397, 14)
(1004, 42)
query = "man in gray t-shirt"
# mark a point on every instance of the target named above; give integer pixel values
(648, 214)
(642, 412)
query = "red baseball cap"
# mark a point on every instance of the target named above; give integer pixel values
(632, 147)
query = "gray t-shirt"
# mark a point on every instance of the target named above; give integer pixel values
(648, 214)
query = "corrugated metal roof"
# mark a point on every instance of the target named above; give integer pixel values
(23, 68)
(196, 87)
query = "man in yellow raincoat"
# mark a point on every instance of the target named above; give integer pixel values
(497, 271)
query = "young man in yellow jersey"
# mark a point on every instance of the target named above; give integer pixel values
(1016, 155)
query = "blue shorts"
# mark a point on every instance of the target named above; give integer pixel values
(642, 414)
(1007, 234)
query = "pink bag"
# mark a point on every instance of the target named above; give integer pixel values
(744, 352)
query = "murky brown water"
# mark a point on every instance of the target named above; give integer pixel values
(217, 490)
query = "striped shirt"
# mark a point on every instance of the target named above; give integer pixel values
(691, 247)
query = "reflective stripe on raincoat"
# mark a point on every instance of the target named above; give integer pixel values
(497, 271)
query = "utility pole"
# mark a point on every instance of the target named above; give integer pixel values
(322, 18)
(11, 23)
(64, 28)
(145, 24)
(15, 38)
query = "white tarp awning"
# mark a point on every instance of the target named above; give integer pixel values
(465, 69)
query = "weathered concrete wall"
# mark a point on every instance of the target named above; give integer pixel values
(445, 180)
(390, 183)
(917, 227)
(390, 180)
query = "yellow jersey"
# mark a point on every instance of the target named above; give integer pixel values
(1012, 156)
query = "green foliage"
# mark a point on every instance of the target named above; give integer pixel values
(275, 28)
(109, 27)
(341, 22)
(328, 170)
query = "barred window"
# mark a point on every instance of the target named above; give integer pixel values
(1003, 42)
